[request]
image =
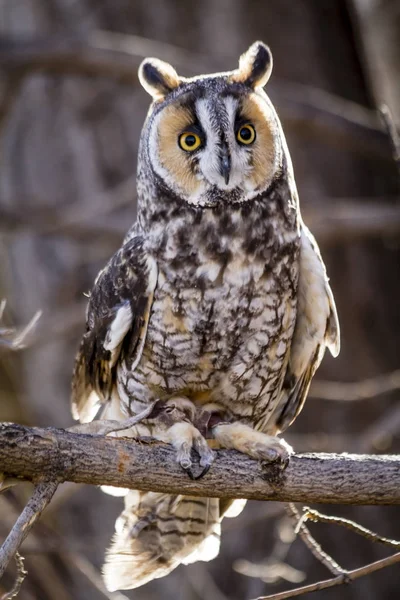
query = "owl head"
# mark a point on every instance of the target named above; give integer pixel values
(213, 138)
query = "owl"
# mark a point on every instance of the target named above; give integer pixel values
(216, 309)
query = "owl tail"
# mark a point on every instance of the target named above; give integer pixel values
(156, 532)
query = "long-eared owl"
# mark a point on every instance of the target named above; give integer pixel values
(217, 305)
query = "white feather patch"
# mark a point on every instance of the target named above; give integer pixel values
(207, 550)
(315, 306)
(119, 327)
(90, 408)
(114, 491)
(235, 508)
(152, 274)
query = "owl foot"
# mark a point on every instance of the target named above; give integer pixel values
(260, 446)
(185, 437)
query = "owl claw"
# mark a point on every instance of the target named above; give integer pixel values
(205, 453)
(185, 438)
(189, 472)
(203, 473)
(183, 457)
(197, 477)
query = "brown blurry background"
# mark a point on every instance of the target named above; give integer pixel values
(71, 111)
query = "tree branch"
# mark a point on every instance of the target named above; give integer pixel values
(31, 453)
(310, 514)
(311, 542)
(40, 498)
(19, 580)
(339, 580)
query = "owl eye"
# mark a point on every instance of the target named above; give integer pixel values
(189, 141)
(246, 134)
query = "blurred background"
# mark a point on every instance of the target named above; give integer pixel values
(71, 111)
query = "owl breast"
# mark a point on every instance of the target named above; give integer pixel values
(219, 331)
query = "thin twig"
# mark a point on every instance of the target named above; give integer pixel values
(310, 514)
(339, 580)
(311, 543)
(40, 498)
(7, 482)
(104, 427)
(21, 574)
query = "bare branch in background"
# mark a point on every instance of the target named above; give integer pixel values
(40, 498)
(310, 514)
(311, 543)
(21, 574)
(348, 577)
(342, 576)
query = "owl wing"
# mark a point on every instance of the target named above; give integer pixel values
(116, 323)
(317, 327)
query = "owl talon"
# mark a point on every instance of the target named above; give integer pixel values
(280, 462)
(190, 473)
(183, 456)
(185, 437)
(204, 451)
(203, 473)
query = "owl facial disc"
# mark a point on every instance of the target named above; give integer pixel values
(214, 138)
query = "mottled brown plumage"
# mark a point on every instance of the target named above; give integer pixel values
(217, 303)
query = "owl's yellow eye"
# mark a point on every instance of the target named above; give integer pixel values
(246, 134)
(189, 141)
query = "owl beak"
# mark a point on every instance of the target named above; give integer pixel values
(225, 165)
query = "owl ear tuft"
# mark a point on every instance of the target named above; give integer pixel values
(255, 66)
(158, 77)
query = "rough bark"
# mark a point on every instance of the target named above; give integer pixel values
(33, 453)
